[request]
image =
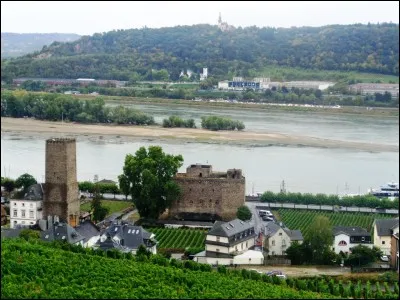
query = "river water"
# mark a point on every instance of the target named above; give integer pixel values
(304, 169)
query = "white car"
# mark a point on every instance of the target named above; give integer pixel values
(384, 258)
(258, 271)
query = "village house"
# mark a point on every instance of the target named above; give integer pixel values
(383, 231)
(90, 232)
(278, 238)
(54, 230)
(28, 210)
(346, 238)
(225, 240)
(126, 238)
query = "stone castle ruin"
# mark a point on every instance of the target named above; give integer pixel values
(61, 192)
(208, 195)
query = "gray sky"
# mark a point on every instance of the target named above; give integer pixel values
(91, 17)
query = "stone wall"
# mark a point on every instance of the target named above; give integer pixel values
(61, 192)
(209, 197)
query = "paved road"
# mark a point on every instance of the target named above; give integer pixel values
(255, 218)
(125, 217)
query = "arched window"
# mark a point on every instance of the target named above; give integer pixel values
(342, 243)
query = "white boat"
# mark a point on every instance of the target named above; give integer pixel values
(390, 189)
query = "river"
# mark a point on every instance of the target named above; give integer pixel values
(304, 169)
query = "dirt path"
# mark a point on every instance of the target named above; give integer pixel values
(300, 271)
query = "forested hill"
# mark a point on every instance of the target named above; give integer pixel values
(18, 44)
(119, 54)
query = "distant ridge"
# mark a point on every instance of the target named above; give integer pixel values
(18, 44)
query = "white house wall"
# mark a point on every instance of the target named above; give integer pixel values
(276, 241)
(32, 212)
(382, 242)
(214, 261)
(214, 238)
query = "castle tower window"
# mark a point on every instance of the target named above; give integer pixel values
(201, 175)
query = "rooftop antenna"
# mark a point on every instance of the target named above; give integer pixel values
(283, 188)
(346, 188)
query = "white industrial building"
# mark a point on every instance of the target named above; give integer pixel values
(372, 88)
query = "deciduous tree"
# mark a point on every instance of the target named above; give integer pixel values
(148, 178)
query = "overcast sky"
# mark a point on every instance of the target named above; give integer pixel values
(91, 17)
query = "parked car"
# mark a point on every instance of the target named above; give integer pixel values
(268, 219)
(384, 258)
(276, 273)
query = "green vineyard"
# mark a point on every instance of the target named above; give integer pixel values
(298, 219)
(179, 238)
(39, 270)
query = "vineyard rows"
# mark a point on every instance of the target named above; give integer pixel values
(298, 219)
(38, 271)
(179, 238)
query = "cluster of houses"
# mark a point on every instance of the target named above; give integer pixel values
(234, 242)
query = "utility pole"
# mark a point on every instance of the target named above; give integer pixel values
(283, 188)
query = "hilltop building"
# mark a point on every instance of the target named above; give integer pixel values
(224, 26)
(208, 195)
(384, 229)
(204, 75)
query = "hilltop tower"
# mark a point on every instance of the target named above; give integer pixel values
(61, 193)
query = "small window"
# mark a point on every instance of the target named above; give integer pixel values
(363, 239)
(273, 242)
(280, 233)
(242, 245)
(273, 252)
(383, 242)
(217, 238)
(246, 245)
(129, 230)
(23, 204)
(15, 213)
(31, 205)
(217, 250)
(15, 203)
(23, 213)
(342, 243)
(31, 214)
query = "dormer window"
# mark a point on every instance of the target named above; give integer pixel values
(363, 239)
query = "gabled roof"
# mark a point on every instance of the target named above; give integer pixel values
(87, 229)
(271, 228)
(350, 231)
(384, 226)
(133, 236)
(227, 229)
(61, 232)
(34, 192)
(295, 235)
(109, 244)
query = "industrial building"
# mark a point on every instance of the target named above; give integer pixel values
(372, 88)
(240, 84)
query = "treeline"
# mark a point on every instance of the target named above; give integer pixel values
(175, 121)
(91, 187)
(274, 95)
(216, 123)
(135, 53)
(55, 107)
(323, 199)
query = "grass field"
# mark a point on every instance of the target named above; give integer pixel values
(299, 219)
(280, 73)
(179, 238)
(113, 206)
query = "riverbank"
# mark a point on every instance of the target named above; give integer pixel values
(122, 133)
